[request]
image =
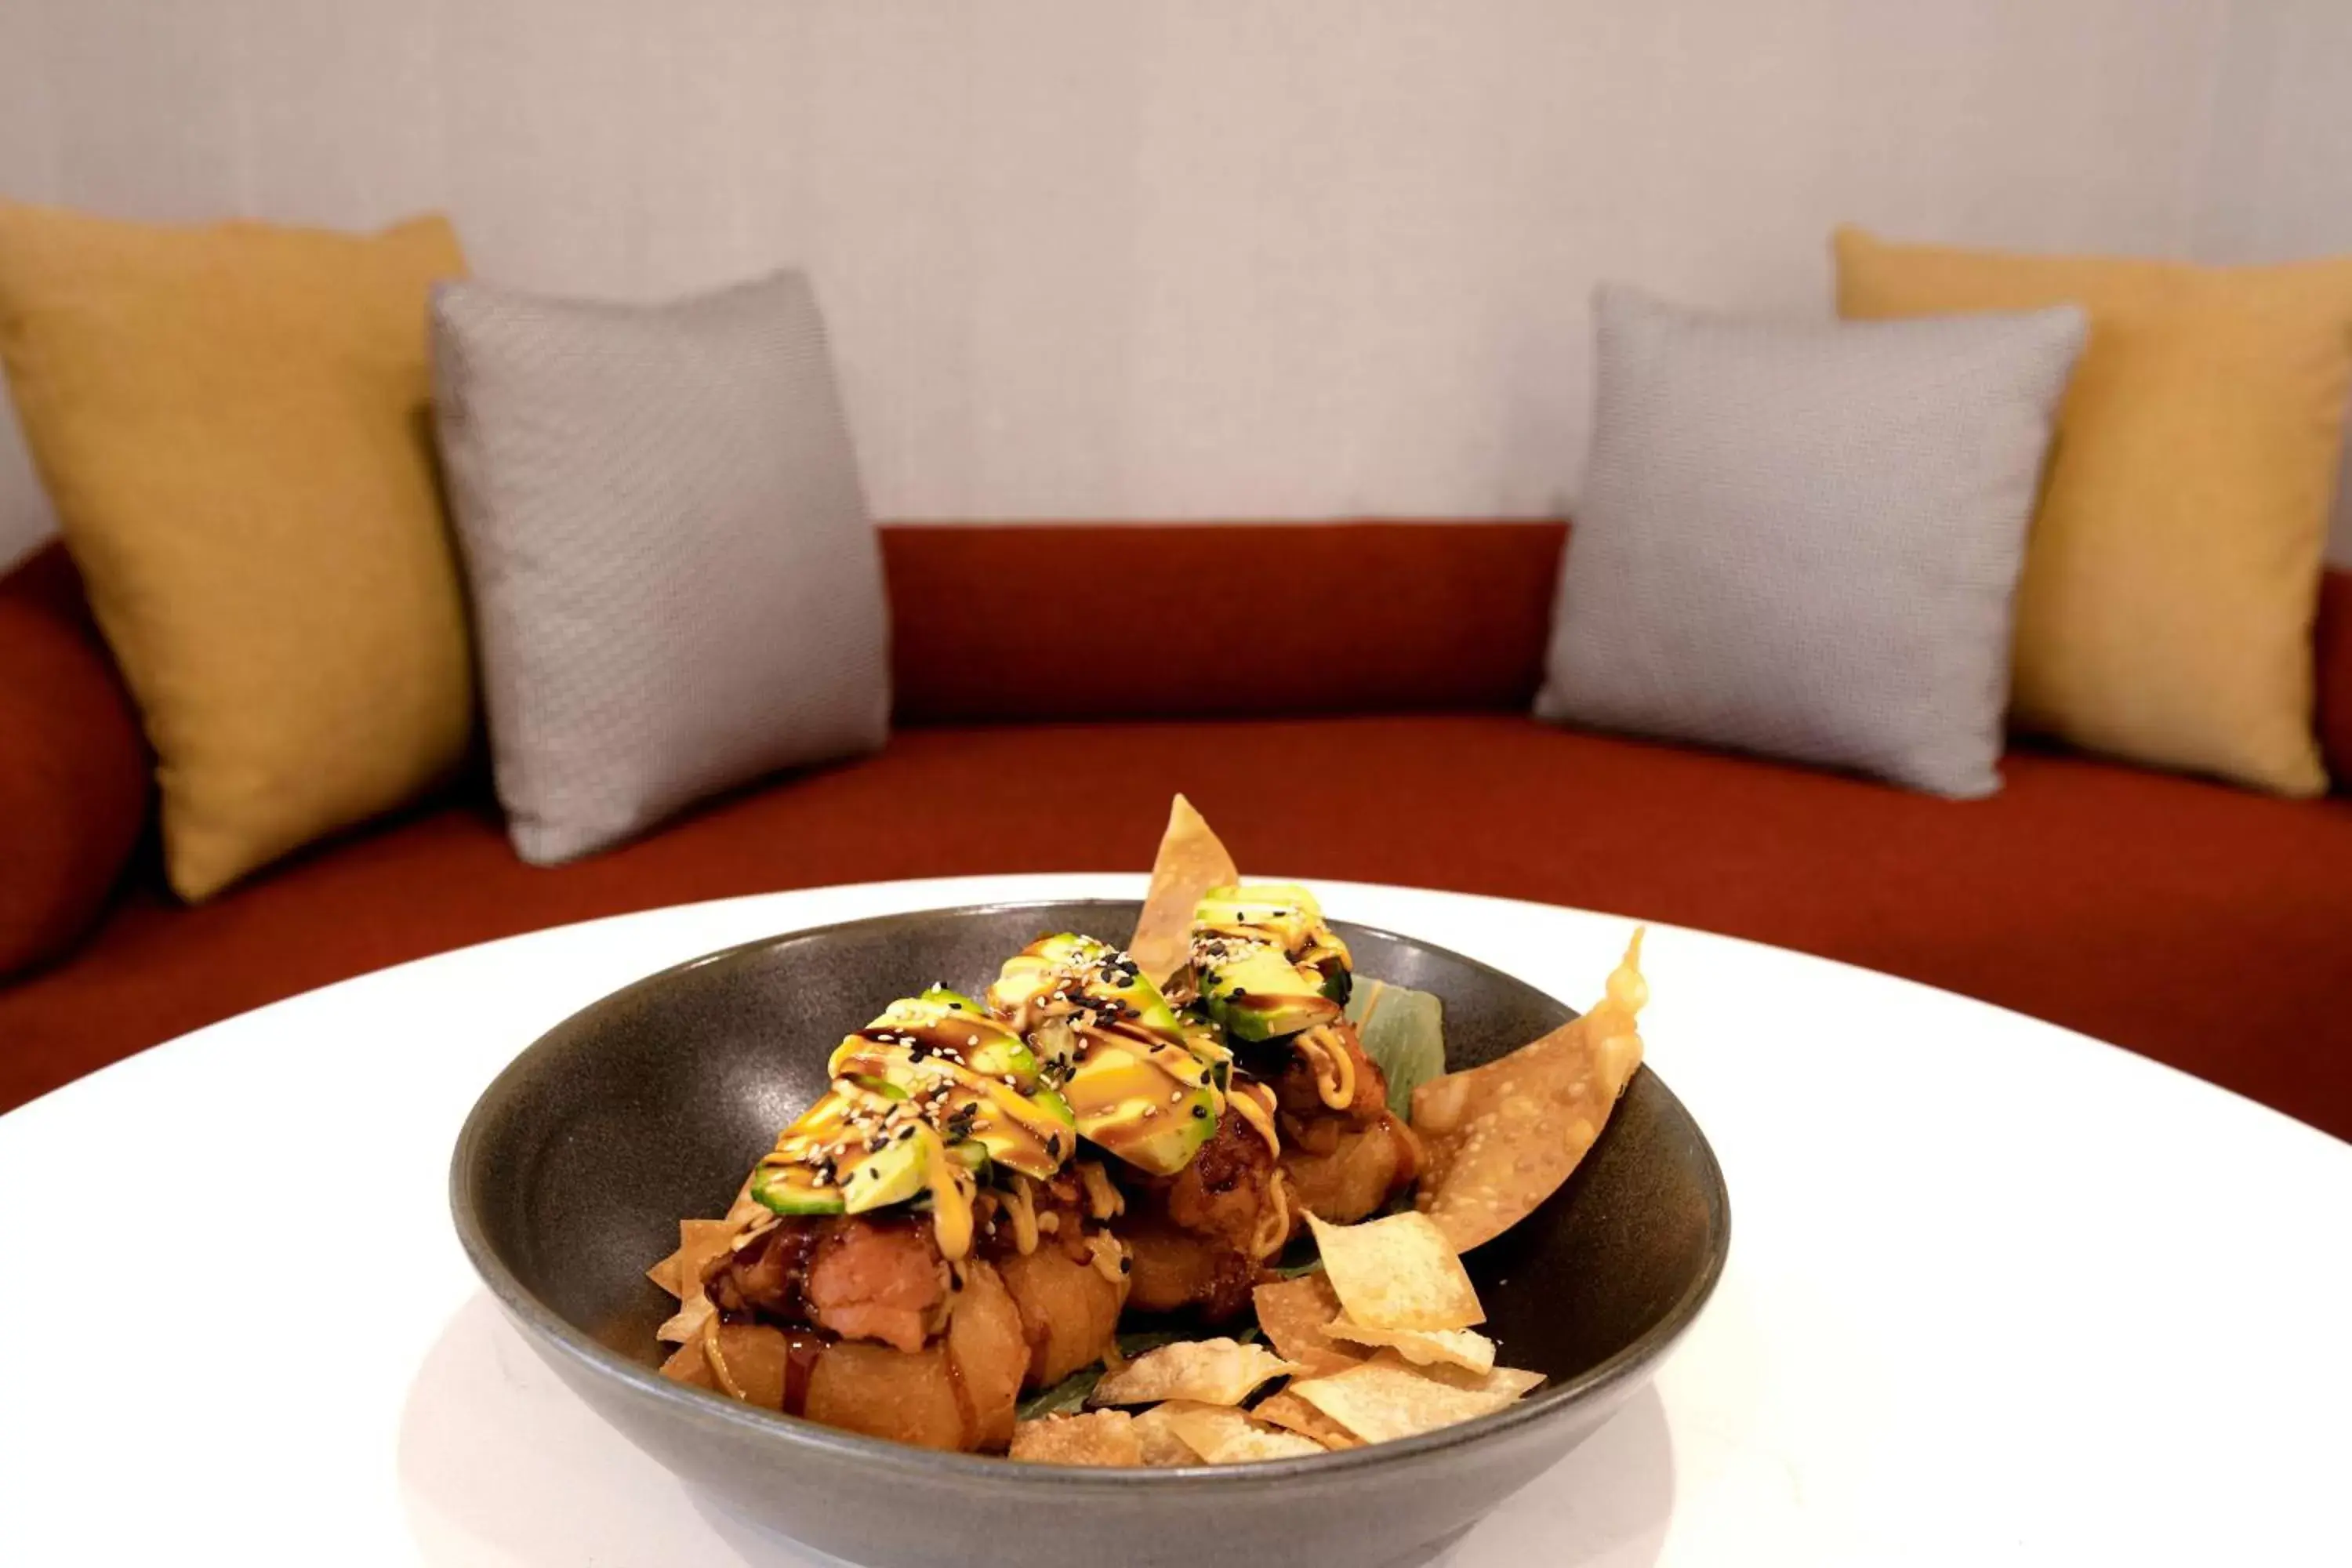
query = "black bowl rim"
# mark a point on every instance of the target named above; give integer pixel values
(770, 1427)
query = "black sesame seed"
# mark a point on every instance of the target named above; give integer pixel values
(1201, 1112)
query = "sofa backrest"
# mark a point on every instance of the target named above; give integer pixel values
(1007, 623)
(1156, 620)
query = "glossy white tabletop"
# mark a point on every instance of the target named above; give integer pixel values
(1997, 1293)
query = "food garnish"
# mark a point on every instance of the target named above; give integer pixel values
(1295, 1315)
(1191, 861)
(1386, 1398)
(1210, 1372)
(1498, 1140)
(1403, 1032)
(1398, 1273)
(1465, 1348)
(1221, 1435)
(1101, 1437)
(1287, 1411)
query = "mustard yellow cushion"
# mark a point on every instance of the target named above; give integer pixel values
(233, 424)
(2172, 572)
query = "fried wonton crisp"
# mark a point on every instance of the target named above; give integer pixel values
(1384, 1399)
(1162, 1447)
(1507, 1380)
(1103, 1438)
(1397, 1273)
(1295, 1314)
(1465, 1348)
(1210, 1371)
(1498, 1140)
(1191, 861)
(698, 1241)
(1221, 1435)
(1292, 1413)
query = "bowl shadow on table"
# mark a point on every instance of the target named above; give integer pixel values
(498, 1461)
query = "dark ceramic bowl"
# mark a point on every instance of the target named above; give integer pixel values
(575, 1166)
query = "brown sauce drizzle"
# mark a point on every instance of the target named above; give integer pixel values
(804, 1348)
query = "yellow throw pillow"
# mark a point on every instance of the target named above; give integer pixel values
(2164, 613)
(233, 422)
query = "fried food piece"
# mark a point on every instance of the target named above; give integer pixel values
(1294, 1314)
(1099, 1437)
(1342, 1162)
(1069, 1308)
(1191, 861)
(1398, 1273)
(1196, 1237)
(1298, 1090)
(1221, 1435)
(1384, 1399)
(1500, 1138)
(1292, 1413)
(864, 1277)
(957, 1393)
(1357, 1171)
(1208, 1372)
(1174, 1269)
(880, 1280)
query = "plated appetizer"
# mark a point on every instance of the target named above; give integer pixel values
(1218, 1124)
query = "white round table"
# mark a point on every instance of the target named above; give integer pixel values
(1997, 1292)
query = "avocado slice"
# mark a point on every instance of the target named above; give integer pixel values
(793, 1190)
(1256, 993)
(1268, 965)
(1032, 1133)
(1135, 1084)
(1152, 1105)
(948, 1025)
(1087, 971)
(898, 1171)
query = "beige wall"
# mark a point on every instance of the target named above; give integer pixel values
(1196, 257)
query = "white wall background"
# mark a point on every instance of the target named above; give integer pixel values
(1111, 259)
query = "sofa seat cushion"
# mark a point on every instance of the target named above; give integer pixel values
(2200, 925)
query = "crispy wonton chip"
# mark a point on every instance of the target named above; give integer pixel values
(1190, 863)
(1383, 1399)
(1221, 1435)
(1104, 1437)
(1212, 1371)
(1161, 1445)
(1292, 1314)
(1509, 1380)
(1397, 1273)
(1292, 1413)
(1498, 1140)
(698, 1241)
(1466, 1347)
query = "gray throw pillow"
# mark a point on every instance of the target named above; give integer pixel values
(1803, 539)
(675, 587)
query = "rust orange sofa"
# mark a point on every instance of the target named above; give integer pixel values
(1375, 675)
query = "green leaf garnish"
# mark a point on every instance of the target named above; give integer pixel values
(1403, 1032)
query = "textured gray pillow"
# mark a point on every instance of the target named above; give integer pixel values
(675, 587)
(1802, 540)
